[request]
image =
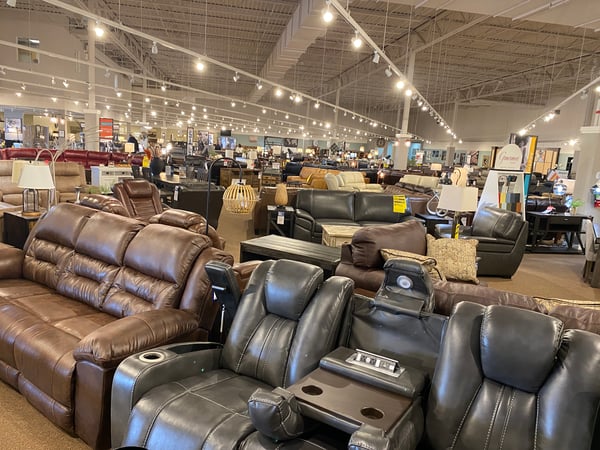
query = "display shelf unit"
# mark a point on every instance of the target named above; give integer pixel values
(504, 189)
(106, 176)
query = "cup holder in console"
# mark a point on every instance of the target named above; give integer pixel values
(372, 413)
(152, 356)
(311, 389)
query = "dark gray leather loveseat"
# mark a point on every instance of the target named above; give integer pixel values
(318, 207)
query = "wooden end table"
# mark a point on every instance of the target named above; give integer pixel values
(336, 235)
(17, 227)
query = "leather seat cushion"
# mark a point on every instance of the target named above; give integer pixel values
(41, 332)
(217, 399)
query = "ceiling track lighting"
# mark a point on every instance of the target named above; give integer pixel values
(376, 57)
(327, 14)
(12, 3)
(259, 85)
(65, 83)
(236, 77)
(388, 71)
(163, 87)
(154, 48)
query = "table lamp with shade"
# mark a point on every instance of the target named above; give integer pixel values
(34, 177)
(458, 199)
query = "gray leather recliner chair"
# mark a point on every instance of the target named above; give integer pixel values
(502, 237)
(512, 378)
(194, 395)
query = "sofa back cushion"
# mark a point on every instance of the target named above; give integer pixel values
(326, 204)
(69, 175)
(497, 223)
(368, 241)
(51, 243)
(333, 184)
(91, 269)
(352, 178)
(155, 269)
(376, 207)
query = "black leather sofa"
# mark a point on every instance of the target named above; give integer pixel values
(317, 207)
(491, 377)
(502, 237)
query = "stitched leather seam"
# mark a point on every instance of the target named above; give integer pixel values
(462, 421)
(243, 352)
(212, 431)
(537, 420)
(265, 344)
(493, 418)
(510, 407)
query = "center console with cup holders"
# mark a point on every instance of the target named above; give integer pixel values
(377, 377)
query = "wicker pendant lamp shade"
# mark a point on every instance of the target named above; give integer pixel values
(239, 198)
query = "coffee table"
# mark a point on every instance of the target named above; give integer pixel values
(336, 235)
(280, 247)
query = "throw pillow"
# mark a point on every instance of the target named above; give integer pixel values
(457, 258)
(429, 263)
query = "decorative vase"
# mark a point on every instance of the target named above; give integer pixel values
(157, 165)
(281, 196)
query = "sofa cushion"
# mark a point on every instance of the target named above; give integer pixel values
(429, 263)
(332, 181)
(456, 257)
(326, 204)
(376, 207)
(368, 241)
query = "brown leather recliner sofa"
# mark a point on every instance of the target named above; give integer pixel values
(89, 289)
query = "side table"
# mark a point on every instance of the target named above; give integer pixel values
(17, 227)
(281, 220)
(431, 221)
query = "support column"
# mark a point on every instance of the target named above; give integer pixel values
(91, 115)
(400, 152)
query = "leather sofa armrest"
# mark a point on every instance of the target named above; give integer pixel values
(302, 214)
(109, 345)
(138, 374)
(276, 414)
(11, 261)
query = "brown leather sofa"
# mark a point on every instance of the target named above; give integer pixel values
(361, 259)
(89, 289)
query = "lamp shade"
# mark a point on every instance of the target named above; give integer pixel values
(458, 198)
(239, 198)
(17, 167)
(36, 176)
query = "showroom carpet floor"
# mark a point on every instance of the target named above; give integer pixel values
(23, 428)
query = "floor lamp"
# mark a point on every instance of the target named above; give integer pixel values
(458, 199)
(238, 198)
(53, 157)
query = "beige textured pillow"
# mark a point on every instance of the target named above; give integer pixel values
(429, 263)
(457, 258)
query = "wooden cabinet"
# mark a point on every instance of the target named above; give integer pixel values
(228, 174)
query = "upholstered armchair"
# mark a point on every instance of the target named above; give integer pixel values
(502, 236)
(195, 395)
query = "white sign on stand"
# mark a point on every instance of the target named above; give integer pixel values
(509, 157)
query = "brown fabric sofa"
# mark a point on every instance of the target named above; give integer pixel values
(89, 289)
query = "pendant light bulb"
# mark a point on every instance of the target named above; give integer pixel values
(357, 41)
(154, 48)
(99, 30)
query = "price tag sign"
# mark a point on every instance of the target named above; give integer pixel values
(176, 194)
(399, 204)
(280, 217)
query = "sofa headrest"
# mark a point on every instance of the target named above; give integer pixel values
(105, 236)
(62, 224)
(518, 347)
(164, 252)
(138, 188)
(104, 203)
(332, 182)
(178, 218)
(289, 286)
(497, 223)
